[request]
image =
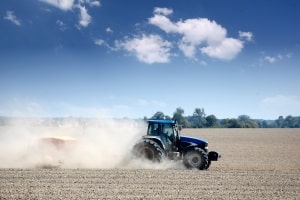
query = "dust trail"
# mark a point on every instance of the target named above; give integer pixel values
(72, 143)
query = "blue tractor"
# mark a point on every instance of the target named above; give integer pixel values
(164, 142)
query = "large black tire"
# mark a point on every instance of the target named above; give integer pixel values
(209, 162)
(148, 149)
(196, 158)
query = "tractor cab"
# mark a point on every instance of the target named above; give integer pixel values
(165, 130)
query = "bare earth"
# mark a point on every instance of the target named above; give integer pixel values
(255, 164)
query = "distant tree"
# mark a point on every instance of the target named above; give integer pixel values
(199, 112)
(246, 122)
(230, 123)
(158, 115)
(243, 118)
(279, 122)
(224, 123)
(288, 122)
(178, 115)
(291, 122)
(264, 124)
(198, 119)
(297, 122)
(212, 121)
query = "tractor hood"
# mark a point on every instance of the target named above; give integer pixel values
(197, 141)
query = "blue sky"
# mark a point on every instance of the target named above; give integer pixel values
(92, 58)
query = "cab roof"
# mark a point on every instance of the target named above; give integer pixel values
(161, 121)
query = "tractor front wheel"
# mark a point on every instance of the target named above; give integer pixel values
(196, 158)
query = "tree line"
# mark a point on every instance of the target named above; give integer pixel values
(200, 120)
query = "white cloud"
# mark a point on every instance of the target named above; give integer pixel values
(91, 3)
(202, 30)
(248, 36)
(66, 5)
(226, 50)
(94, 3)
(188, 49)
(108, 30)
(281, 105)
(201, 33)
(147, 48)
(10, 16)
(276, 58)
(99, 42)
(61, 4)
(85, 18)
(163, 23)
(163, 11)
(270, 59)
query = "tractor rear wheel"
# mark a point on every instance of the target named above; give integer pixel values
(148, 149)
(196, 158)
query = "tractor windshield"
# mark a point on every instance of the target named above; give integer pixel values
(157, 129)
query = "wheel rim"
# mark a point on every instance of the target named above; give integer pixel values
(194, 160)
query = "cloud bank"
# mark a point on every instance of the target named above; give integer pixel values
(196, 35)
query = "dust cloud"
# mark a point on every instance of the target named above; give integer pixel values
(72, 143)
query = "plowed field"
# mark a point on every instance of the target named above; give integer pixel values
(255, 164)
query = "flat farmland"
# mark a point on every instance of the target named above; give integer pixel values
(255, 164)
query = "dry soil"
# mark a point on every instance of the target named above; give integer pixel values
(255, 164)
